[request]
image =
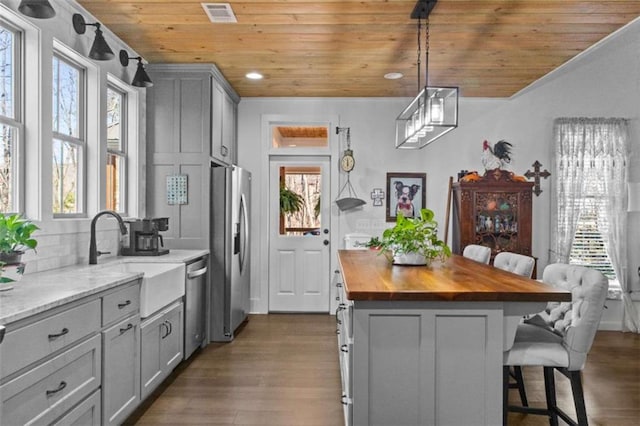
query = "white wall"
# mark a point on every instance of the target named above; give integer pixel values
(603, 82)
(63, 242)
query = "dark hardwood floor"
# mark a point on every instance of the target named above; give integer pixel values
(283, 370)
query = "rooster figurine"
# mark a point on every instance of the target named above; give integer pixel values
(497, 157)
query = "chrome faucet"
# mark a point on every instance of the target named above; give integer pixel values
(93, 251)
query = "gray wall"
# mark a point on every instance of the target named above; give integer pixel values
(602, 82)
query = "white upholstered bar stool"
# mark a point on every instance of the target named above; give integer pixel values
(559, 338)
(514, 262)
(478, 253)
(521, 265)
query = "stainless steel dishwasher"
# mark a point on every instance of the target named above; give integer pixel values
(195, 305)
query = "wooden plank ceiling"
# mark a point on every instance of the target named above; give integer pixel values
(343, 48)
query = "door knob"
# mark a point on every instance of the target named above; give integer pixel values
(325, 242)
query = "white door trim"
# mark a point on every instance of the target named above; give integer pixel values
(260, 288)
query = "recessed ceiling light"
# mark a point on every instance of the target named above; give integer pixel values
(254, 75)
(393, 75)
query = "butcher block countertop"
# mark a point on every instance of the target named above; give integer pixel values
(369, 276)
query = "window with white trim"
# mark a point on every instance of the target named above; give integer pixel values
(589, 242)
(116, 150)
(11, 127)
(69, 140)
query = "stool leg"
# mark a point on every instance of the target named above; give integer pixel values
(578, 397)
(550, 391)
(517, 373)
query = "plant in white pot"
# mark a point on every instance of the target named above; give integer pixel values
(15, 239)
(414, 241)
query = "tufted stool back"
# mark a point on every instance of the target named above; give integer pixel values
(478, 253)
(577, 321)
(516, 263)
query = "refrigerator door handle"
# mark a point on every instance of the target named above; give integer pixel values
(245, 222)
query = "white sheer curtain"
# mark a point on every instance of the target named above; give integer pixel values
(596, 147)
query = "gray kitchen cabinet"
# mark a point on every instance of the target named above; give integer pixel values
(161, 346)
(73, 363)
(191, 122)
(121, 367)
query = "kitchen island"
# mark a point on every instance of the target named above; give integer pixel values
(424, 345)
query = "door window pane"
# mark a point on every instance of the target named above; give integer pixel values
(300, 201)
(300, 137)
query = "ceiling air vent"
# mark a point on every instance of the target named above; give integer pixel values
(219, 12)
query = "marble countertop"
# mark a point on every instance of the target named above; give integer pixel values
(42, 291)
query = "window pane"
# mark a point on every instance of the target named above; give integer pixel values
(66, 98)
(300, 137)
(7, 168)
(115, 177)
(7, 73)
(300, 200)
(114, 120)
(65, 177)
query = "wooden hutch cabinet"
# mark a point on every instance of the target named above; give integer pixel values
(493, 210)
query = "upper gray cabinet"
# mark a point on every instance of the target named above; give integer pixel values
(191, 122)
(191, 109)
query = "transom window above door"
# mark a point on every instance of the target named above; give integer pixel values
(283, 136)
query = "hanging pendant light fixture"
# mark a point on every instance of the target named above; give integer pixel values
(141, 78)
(434, 112)
(100, 50)
(40, 9)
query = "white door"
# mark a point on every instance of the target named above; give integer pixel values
(299, 240)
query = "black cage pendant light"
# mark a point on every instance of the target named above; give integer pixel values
(141, 78)
(40, 9)
(100, 50)
(434, 112)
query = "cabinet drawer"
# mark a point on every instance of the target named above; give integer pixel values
(45, 393)
(120, 304)
(28, 344)
(84, 414)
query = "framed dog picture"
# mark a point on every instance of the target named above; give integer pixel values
(406, 193)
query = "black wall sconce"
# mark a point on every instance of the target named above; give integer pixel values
(40, 9)
(141, 78)
(100, 50)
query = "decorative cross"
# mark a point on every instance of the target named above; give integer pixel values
(536, 174)
(377, 196)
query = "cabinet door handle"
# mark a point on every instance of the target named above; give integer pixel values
(224, 151)
(124, 305)
(337, 331)
(166, 330)
(338, 319)
(127, 328)
(170, 327)
(61, 386)
(62, 333)
(343, 399)
(339, 285)
(344, 349)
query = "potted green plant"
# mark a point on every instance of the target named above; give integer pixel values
(414, 241)
(290, 201)
(374, 243)
(15, 239)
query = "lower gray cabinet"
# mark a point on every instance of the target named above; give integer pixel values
(85, 413)
(121, 370)
(162, 346)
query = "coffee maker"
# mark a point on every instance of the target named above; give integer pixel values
(144, 237)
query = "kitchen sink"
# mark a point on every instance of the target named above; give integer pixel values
(162, 283)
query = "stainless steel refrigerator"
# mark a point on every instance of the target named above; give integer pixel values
(230, 254)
